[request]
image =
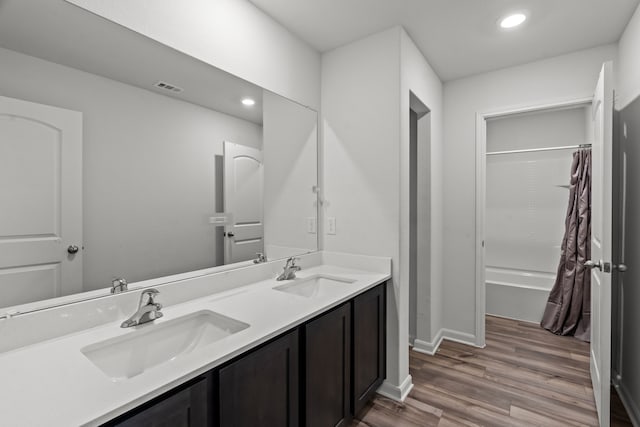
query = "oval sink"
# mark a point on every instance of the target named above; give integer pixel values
(151, 345)
(316, 286)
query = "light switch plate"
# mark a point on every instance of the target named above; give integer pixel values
(312, 225)
(331, 225)
(219, 220)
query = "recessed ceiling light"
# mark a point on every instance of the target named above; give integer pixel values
(248, 102)
(513, 20)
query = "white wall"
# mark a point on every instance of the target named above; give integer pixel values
(365, 126)
(628, 67)
(561, 78)
(418, 77)
(361, 136)
(290, 142)
(148, 168)
(232, 35)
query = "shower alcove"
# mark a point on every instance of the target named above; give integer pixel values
(528, 164)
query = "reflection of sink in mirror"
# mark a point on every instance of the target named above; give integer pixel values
(153, 344)
(316, 286)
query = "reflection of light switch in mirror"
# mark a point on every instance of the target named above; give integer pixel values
(331, 225)
(218, 220)
(311, 225)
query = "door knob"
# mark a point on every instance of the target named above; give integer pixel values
(620, 267)
(72, 249)
(593, 265)
(230, 234)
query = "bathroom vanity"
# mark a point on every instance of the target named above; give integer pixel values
(319, 373)
(308, 351)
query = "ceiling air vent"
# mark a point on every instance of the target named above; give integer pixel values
(168, 86)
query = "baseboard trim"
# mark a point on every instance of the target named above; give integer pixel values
(394, 392)
(429, 348)
(500, 316)
(460, 337)
(629, 404)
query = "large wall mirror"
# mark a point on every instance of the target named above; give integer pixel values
(123, 158)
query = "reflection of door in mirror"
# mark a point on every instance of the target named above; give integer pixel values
(41, 214)
(243, 183)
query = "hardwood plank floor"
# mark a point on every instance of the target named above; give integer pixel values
(525, 376)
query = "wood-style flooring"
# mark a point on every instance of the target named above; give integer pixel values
(525, 376)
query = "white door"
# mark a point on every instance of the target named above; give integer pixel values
(601, 241)
(40, 202)
(244, 233)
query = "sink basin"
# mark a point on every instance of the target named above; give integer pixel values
(316, 286)
(151, 345)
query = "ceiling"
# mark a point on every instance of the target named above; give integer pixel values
(60, 32)
(459, 37)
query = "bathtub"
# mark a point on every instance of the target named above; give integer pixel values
(517, 294)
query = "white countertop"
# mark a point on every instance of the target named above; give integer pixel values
(52, 383)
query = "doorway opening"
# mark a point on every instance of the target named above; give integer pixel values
(419, 220)
(522, 175)
(601, 239)
(528, 164)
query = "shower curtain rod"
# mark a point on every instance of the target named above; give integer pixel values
(532, 150)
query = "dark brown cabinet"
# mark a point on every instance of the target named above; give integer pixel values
(369, 345)
(186, 406)
(327, 369)
(261, 389)
(318, 374)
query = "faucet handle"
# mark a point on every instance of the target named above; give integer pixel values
(291, 261)
(119, 281)
(119, 284)
(151, 293)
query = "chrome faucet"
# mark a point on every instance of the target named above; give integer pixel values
(289, 270)
(147, 312)
(260, 258)
(118, 285)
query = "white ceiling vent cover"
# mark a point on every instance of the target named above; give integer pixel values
(168, 86)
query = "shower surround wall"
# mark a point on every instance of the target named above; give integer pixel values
(526, 202)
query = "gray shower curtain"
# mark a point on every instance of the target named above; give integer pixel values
(568, 309)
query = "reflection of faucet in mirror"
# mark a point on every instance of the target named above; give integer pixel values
(260, 258)
(289, 270)
(147, 312)
(118, 285)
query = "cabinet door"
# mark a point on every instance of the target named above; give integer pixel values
(186, 407)
(327, 369)
(261, 389)
(369, 346)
